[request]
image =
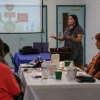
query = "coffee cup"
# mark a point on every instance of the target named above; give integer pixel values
(71, 73)
(51, 68)
(58, 74)
(67, 63)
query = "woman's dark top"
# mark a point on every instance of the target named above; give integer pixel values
(77, 47)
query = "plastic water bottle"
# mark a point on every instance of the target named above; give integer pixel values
(70, 67)
(44, 70)
(39, 59)
(71, 71)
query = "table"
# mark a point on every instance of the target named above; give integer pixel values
(52, 89)
(20, 59)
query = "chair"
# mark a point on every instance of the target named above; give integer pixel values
(15, 65)
(41, 46)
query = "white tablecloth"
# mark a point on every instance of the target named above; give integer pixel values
(52, 89)
(62, 94)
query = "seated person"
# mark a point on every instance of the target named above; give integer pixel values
(6, 50)
(9, 87)
(94, 67)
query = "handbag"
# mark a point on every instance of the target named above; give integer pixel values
(29, 50)
(85, 79)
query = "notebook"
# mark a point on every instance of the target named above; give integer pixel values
(41, 46)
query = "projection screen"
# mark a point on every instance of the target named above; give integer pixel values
(20, 16)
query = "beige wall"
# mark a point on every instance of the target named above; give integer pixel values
(92, 27)
(52, 15)
(92, 22)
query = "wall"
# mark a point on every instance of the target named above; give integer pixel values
(92, 22)
(52, 15)
(92, 27)
(14, 41)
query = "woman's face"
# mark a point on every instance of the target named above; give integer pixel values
(71, 21)
(97, 44)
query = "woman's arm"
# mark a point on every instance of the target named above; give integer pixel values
(12, 85)
(88, 68)
(97, 75)
(61, 38)
(78, 39)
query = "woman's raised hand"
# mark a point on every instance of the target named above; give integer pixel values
(52, 36)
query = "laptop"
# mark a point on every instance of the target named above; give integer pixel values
(41, 46)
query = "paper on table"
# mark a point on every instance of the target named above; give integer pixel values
(25, 65)
(82, 74)
(36, 73)
(32, 62)
(62, 66)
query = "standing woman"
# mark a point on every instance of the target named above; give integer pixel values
(72, 36)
